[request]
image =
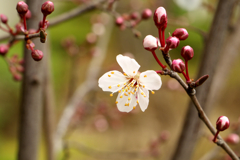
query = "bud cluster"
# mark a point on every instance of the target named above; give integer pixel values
(131, 20)
(16, 67)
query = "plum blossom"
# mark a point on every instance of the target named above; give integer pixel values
(132, 86)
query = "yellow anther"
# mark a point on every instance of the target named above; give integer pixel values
(121, 96)
(110, 87)
(134, 107)
(145, 96)
(137, 86)
(129, 98)
(132, 92)
(131, 85)
(137, 101)
(133, 71)
(125, 104)
(109, 75)
(124, 84)
(142, 93)
(118, 85)
(124, 74)
(129, 93)
(135, 90)
(143, 86)
(153, 92)
(116, 102)
(125, 94)
(112, 72)
(111, 95)
(119, 91)
(145, 75)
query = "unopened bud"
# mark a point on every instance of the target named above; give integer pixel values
(4, 18)
(17, 77)
(4, 49)
(28, 14)
(119, 21)
(222, 123)
(37, 55)
(178, 65)
(232, 139)
(187, 53)
(150, 43)
(147, 13)
(172, 42)
(160, 18)
(22, 8)
(47, 8)
(180, 33)
(134, 15)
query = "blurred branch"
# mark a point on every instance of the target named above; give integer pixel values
(84, 88)
(210, 58)
(32, 95)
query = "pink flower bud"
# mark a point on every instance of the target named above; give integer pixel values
(187, 53)
(28, 14)
(134, 15)
(4, 18)
(4, 49)
(37, 55)
(150, 43)
(17, 77)
(180, 33)
(178, 65)
(160, 18)
(172, 42)
(47, 8)
(147, 13)
(222, 123)
(119, 21)
(232, 139)
(22, 8)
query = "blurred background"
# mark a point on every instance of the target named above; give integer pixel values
(97, 129)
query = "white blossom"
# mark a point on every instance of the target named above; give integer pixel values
(132, 86)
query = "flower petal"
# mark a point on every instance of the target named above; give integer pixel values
(151, 80)
(122, 100)
(143, 98)
(128, 65)
(112, 81)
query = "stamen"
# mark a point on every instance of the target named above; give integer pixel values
(143, 86)
(119, 91)
(153, 92)
(134, 107)
(133, 71)
(116, 102)
(112, 72)
(121, 96)
(109, 87)
(118, 85)
(126, 104)
(142, 93)
(109, 75)
(111, 95)
(124, 74)
(129, 98)
(145, 75)
(137, 101)
(125, 94)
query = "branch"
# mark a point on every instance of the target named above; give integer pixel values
(84, 88)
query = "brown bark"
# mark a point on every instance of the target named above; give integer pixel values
(31, 104)
(210, 58)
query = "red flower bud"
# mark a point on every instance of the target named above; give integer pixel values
(222, 123)
(232, 139)
(147, 13)
(47, 8)
(180, 33)
(28, 14)
(150, 43)
(4, 49)
(4, 18)
(22, 8)
(134, 15)
(178, 65)
(37, 55)
(160, 18)
(119, 21)
(172, 42)
(17, 77)
(187, 53)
